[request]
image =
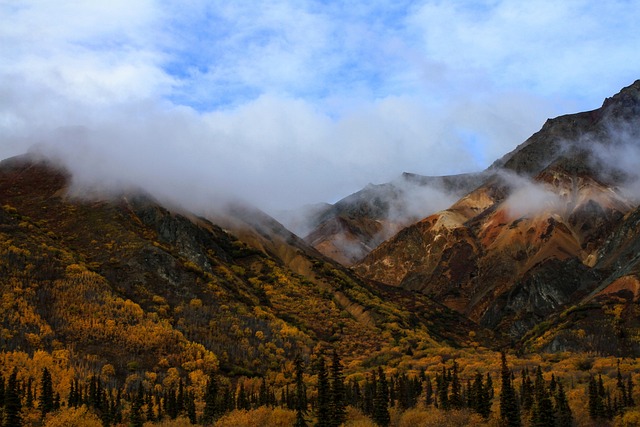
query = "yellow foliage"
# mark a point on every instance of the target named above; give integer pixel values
(420, 417)
(630, 418)
(260, 417)
(178, 422)
(72, 417)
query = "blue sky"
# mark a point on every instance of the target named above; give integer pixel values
(284, 103)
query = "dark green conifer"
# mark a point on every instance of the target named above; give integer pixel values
(381, 401)
(323, 405)
(455, 399)
(243, 400)
(211, 400)
(190, 406)
(338, 394)
(135, 418)
(428, 391)
(526, 391)
(509, 410)
(12, 403)
(542, 412)
(45, 400)
(301, 395)
(481, 402)
(29, 392)
(564, 417)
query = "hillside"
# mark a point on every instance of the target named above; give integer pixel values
(550, 230)
(125, 281)
(352, 227)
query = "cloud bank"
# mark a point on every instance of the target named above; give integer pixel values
(289, 103)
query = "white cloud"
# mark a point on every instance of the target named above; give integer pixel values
(287, 103)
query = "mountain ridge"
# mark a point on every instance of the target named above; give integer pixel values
(537, 235)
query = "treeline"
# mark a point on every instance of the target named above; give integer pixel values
(319, 395)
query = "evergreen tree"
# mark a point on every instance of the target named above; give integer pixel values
(455, 399)
(489, 386)
(301, 395)
(135, 418)
(45, 400)
(263, 393)
(12, 403)
(355, 395)
(480, 400)
(172, 403)
(190, 406)
(338, 394)
(369, 394)
(210, 400)
(381, 401)
(29, 393)
(442, 389)
(180, 397)
(428, 391)
(564, 417)
(243, 400)
(509, 410)
(543, 412)
(593, 398)
(323, 407)
(526, 391)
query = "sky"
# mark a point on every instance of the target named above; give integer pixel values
(286, 103)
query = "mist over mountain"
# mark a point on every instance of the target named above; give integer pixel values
(528, 243)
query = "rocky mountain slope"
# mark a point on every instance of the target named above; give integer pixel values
(127, 281)
(551, 228)
(351, 228)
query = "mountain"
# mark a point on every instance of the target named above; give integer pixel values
(144, 286)
(545, 246)
(352, 227)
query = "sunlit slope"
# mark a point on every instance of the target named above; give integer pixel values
(126, 281)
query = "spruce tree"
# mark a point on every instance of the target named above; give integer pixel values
(381, 401)
(338, 394)
(29, 394)
(509, 410)
(542, 413)
(593, 399)
(45, 400)
(323, 406)
(210, 400)
(428, 391)
(190, 406)
(180, 397)
(481, 402)
(12, 403)
(135, 418)
(369, 394)
(455, 399)
(243, 400)
(526, 391)
(442, 389)
(564, 417)
(301, 395)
